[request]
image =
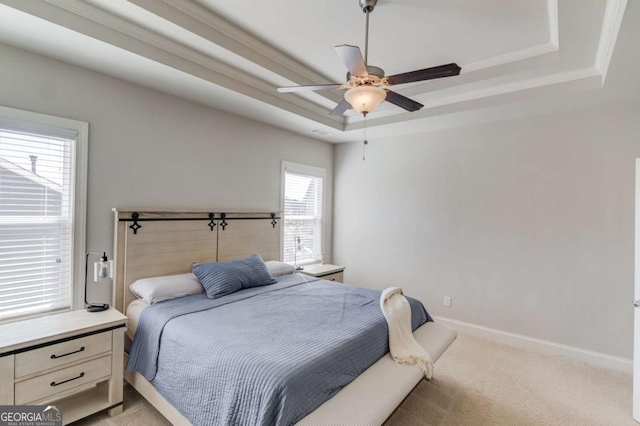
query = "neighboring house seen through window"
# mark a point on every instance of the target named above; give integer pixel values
(303, 193)
(37, 217)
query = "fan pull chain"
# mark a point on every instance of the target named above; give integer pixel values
(364, 145)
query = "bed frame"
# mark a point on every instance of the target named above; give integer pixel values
(157, 242)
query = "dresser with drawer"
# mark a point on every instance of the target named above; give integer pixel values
(73, 359)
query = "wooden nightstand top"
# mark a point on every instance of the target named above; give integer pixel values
(321, 270)
(21, 334)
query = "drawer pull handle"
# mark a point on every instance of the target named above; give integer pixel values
(70, 353)
(75, 378)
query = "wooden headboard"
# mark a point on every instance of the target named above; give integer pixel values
(151, 243)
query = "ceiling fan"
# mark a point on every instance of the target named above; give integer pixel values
(367, 85)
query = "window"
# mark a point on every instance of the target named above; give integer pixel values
(303, 189)
(42, 196)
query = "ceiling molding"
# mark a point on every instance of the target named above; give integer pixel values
(547, 80)
(613, 15)
(441, 96)
(211, 26)
(537, 58)
(381, 117)
(510, 58)
(520, 55)
(82, 17)
(483, 102)
(202, 21)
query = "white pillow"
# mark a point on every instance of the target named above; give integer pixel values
(278, 269)
(157, 289)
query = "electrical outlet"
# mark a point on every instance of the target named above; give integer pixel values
(447, 301)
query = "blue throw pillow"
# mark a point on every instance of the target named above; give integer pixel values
(222, 278)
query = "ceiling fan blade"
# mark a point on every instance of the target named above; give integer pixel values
(342, 107)
(352, 59)
(309, 88)
(402, 101)
(441, 71)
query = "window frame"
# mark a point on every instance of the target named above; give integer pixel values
(314, 171)
(80, 151)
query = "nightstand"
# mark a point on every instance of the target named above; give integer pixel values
(73, 359)
(326, 272)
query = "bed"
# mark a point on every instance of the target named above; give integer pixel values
(170, 242)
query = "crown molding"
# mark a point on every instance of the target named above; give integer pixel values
(200, 20)
(191, 16)
(385, 117)
(97, 23)
(516, 61)
(511, 57)
(83, 17)
(611, 23)
(544, 55)
(211, 26)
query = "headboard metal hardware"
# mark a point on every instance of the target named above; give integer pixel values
(250, 218)
(246, 218)
(168, 219)
(135, 225)
(135, 217)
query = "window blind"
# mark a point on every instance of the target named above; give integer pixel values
(36, 220)
(302, 217)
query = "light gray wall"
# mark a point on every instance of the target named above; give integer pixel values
(528, 225)
(150, 149)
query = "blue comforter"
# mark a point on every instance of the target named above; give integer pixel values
(262, 356)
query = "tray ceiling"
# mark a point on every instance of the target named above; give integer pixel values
(233, 54)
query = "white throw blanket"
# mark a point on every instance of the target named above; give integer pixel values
(403, 346)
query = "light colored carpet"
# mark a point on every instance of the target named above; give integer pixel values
(482, 383)
(477, 382)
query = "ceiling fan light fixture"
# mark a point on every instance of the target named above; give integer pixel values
(363, 80)
(365, 99)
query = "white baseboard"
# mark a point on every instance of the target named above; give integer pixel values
(539, 345)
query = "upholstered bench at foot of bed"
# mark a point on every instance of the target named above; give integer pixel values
(383, 386)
